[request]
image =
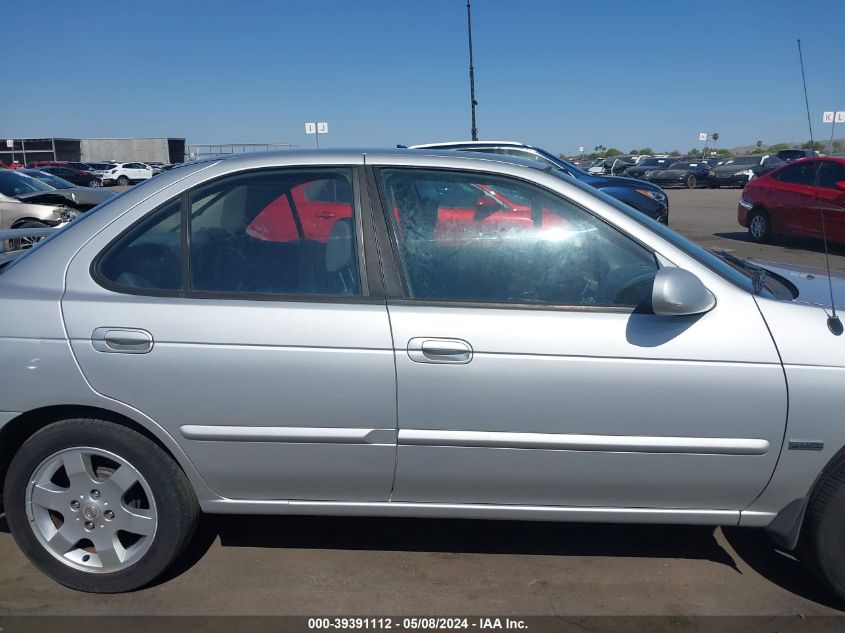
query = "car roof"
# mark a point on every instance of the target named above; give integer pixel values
(470, 143)
(348, 155)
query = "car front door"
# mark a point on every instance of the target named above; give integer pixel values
(531, 371)
(266, 355)
(791, 201)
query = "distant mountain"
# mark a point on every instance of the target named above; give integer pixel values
(745, 149)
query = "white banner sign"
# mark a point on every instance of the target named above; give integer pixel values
(322, 128)
(840, 117)
(310, 128)
(10, 143)
(827, 117)
(702, 136)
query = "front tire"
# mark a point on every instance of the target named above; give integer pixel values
(123, 181)
(94, 183)
(823, 533)
(691, 182)
(759, 226)
(98, 507)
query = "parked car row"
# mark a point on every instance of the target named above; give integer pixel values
(642, 196)
(98, 174)
(709, 172)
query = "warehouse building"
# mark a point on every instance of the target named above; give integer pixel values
(95, 150)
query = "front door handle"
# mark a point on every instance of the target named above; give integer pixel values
(439, 350)
(122, 340)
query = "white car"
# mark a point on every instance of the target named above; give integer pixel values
(125, 173)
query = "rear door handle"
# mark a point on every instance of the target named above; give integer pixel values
(122, 340)
(439, 350)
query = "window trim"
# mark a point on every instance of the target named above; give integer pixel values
(398, 265)
(365, 297)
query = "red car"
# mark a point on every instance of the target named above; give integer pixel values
(464, 212)
(787, 201)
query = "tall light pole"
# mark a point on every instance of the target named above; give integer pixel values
(472, 100)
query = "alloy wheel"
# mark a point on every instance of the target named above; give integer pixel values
(758, 226)
(91, 509)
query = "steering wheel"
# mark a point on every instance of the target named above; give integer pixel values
(634, 290)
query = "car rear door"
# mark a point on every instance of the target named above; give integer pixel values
(529, 374)
(266, 355)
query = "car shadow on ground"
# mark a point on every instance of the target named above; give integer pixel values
(526, 538)
(791, 243)
(778, 566)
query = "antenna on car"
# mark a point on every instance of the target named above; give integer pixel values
(833, 322)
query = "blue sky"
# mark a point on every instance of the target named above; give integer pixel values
(553, 73)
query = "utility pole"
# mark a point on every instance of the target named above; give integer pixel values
(472, 100)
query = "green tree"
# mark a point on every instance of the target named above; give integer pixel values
(646, 150)
(778, 147)
(613, 152)
(674, 152)
(838, 146)
(759, 145)
(816, 145)
(715, 137)
(695, 152)
(723, 152)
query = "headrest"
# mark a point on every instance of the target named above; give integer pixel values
(339, 250)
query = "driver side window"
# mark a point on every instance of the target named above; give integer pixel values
(507, 241)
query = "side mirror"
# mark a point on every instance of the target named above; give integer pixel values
(677, 292)
(841, 185)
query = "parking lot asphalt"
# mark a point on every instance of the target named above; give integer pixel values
(708, 216)
(364, 566)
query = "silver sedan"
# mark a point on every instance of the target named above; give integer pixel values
(402, 333)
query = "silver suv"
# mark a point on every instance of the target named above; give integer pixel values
(403, 333)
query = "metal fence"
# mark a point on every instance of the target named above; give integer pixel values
(208, 151)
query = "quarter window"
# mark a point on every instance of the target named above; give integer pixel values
(506, 241)
(149, 255)
(831, 173)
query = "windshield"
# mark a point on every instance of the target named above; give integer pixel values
(563, 164)
(50, 179)
(13, 184)
(654, 162)
(743, 160)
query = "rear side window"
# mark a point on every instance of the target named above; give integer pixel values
(509, 242)
(831, 173)
(251, 233)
